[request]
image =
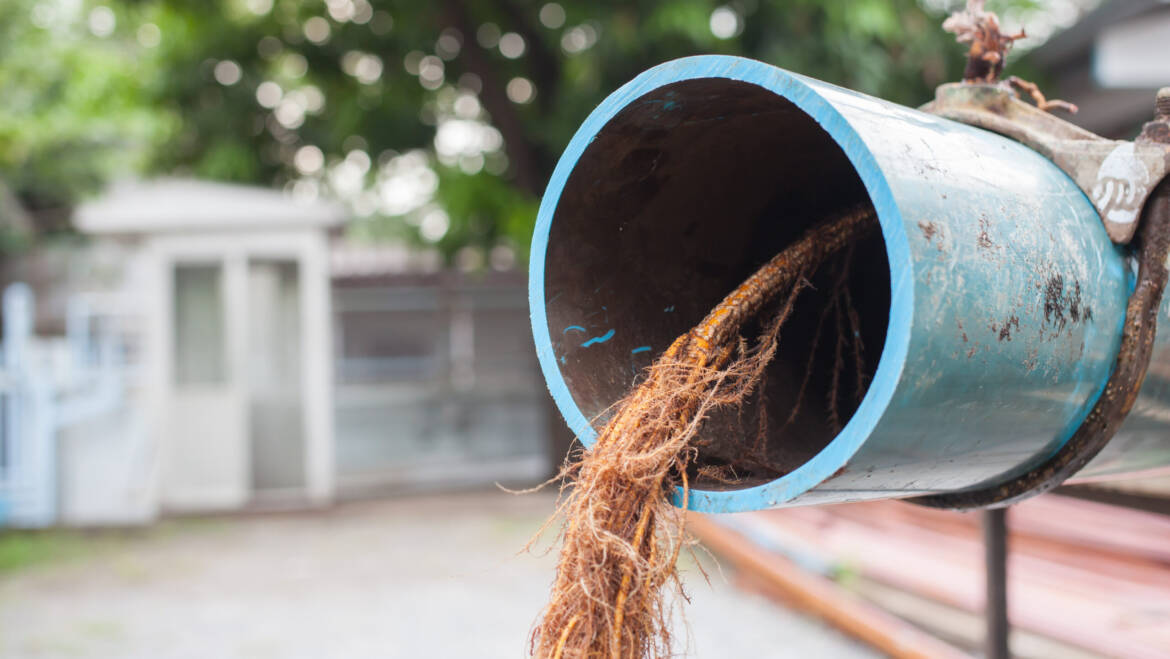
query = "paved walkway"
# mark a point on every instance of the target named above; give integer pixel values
(407, 578)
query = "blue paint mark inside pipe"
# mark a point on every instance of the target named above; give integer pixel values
(575, 328)
(599, 339)
(640, 349)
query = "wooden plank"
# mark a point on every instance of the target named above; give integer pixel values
(964, 629)
(1107, 595)
(821, 597)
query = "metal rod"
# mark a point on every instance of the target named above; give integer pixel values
(995, 548)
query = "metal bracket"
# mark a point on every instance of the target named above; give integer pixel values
(1117, 176)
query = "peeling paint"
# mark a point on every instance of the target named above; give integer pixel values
(1005, 331)
(984, 238)
(1063, 304)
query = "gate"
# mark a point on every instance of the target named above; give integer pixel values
(48, 386)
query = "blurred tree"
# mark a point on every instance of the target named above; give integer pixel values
(74, 111)
(437, 122)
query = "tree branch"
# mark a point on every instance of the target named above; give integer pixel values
(527, 161)
(546, 68)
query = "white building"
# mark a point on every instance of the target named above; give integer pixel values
(250, 358)
(1110, 64)
(234, 287)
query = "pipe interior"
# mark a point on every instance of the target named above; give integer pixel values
(679, 198)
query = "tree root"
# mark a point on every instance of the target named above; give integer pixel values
(621, 537)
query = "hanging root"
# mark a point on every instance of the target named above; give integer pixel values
(1046, 104)
(622, 537)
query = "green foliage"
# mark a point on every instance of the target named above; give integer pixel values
(20, 550)
(75, 111)
(235, 89)
(483, 212)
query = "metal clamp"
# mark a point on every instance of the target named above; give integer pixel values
(1127, 182)
(1117, 176)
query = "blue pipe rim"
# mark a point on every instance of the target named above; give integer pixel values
(797, 90)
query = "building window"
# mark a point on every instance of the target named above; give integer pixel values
(199, 341)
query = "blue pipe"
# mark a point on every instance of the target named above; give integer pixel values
(1006, 297)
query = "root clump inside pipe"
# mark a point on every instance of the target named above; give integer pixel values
(621, 536)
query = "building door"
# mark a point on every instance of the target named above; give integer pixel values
(242, 329)
(275, 420)
(205, 462)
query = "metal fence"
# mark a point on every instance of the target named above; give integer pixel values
(436, 385)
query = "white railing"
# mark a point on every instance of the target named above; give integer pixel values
(46, 385)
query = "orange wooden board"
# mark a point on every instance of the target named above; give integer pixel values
(1088, 574)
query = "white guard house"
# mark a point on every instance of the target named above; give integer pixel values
(234, 286)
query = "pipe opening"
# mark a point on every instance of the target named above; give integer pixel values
(677, 199)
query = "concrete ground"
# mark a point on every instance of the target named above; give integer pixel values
(431, 577)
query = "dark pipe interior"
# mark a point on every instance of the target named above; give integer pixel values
(679, 198)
